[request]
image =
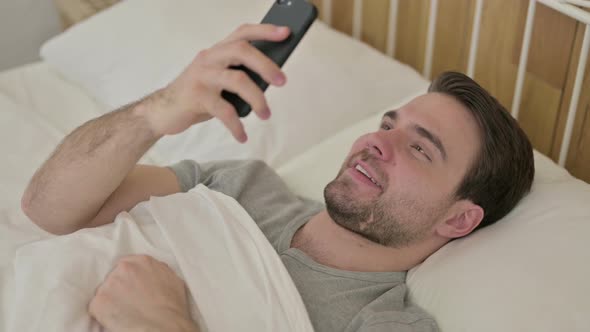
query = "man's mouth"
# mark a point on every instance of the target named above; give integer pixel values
(365, 173)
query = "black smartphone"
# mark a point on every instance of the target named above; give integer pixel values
(298, 15)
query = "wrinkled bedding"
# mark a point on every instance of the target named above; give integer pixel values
(236, 279)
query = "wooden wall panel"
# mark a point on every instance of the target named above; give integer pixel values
(342, 11)
(494, 68)
(552, 41)
(578, 161)
(579, 164)
(539, 109)
(453, 36)
(412, 25)
(320, 6)
(375, 23)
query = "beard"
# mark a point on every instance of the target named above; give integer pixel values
(394, 221)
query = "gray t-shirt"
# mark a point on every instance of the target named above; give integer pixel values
(336, 300)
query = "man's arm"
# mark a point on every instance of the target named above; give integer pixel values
(92, 175)
(95, 167)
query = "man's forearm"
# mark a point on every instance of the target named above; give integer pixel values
(70, 187)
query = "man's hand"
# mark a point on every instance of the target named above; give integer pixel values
(142, 294)
(195, 95)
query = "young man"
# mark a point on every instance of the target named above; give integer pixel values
(447, 163)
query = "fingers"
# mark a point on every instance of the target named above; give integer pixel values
(268, 32)
(197, 91)
(239, 82)
(218, 107)
(227, 114)
(135, 281)
(243, 53)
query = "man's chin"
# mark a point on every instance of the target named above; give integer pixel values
(344, 192)
(345, 206)
(337, 191)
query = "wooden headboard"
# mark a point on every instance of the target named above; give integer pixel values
(399, 28)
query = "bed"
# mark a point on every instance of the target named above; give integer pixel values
(527, 272)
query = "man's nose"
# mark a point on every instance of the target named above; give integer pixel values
(381, 145)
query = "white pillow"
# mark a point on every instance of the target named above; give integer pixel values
(138, 46)
(527, 272)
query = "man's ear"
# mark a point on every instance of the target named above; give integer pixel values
(464, 218)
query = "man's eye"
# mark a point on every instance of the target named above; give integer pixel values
(385, 126)
(421, 150)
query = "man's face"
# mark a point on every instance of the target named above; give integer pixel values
(414, 162)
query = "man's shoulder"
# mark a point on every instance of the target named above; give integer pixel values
(238, 163)
(218, 173)
(231, 164)
(393, 312)
(252, 182)
(239, 167)
(239, 172)
(225, 163)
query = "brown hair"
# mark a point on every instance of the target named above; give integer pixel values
(503, 170)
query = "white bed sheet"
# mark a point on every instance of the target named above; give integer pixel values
(244, 279)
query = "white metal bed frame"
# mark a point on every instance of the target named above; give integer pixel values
(566, 7)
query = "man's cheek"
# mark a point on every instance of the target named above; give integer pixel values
(358, 145)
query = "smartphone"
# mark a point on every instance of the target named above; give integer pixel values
(298, 15)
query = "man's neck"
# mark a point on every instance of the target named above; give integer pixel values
(332, 245)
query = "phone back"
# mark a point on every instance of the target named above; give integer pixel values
(298, 15)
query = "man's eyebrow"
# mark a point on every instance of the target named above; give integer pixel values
(433, 139)
(391, 114)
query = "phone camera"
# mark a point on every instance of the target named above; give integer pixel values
(285, 2)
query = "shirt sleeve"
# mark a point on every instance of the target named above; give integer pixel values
(384, 325)
(186, 173)
(231, 177)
